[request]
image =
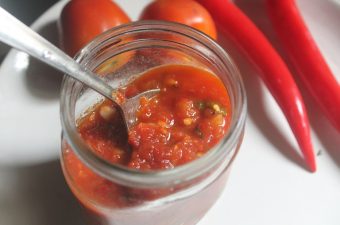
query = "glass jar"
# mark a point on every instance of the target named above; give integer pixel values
(177, 196)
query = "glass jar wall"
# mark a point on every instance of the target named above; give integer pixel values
(115, 194)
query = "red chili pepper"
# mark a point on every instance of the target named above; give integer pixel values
(233, 23)
(305, 56)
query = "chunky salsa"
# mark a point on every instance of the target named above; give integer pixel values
(190, 115)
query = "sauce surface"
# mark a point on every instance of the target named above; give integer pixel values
(189, 116)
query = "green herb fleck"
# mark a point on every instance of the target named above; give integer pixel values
(198, 132)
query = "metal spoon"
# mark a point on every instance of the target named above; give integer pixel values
(18, 35)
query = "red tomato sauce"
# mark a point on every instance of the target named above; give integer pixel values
(189, 116)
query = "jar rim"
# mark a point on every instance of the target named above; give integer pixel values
(186, 172)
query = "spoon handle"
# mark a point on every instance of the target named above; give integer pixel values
(18, 35)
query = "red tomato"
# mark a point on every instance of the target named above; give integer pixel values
(187, 12)
(82, 20)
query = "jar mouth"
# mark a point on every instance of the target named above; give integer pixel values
(179, 174)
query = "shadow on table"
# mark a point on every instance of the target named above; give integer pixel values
(37, 195)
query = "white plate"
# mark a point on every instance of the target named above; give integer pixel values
(268, 184)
